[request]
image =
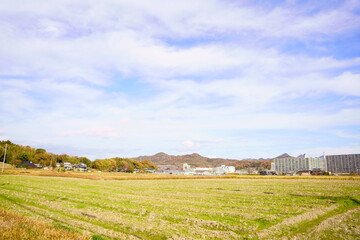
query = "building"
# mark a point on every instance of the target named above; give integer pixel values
(316, 163)
(304, 172)
(203, 171)
(267, 172)
(82, 167)
(186, 167)
(346, 163)
(272, 168)
(28, 164)
(288, 164)
(242, 171)
(223, 169)
(168, 169)
(68, 165)
(162, 167)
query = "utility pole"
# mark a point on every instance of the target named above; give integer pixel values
(4, 158)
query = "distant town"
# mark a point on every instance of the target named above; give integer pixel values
(326, 164)
(281, 165)
(192, 164)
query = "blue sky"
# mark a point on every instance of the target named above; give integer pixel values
(234, 79)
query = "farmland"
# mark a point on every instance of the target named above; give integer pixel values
(183, 208)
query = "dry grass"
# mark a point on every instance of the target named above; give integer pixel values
(14, 227)
(150, 176)
(6, 165)
(185, 209)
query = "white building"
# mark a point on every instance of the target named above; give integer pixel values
(272, 168)
(286, 163)
(186, 167)
(68, 165)
(203, 171)
(223, 169)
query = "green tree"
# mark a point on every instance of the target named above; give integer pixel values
(148, 164)
(24, 156)
(105, 164)
(86, 161)
(62, 158)
(40, 150)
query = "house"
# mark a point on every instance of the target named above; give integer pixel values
(317, 171)
(68, 166)
(267, 172)
(304, 172)
(263, 172)
(80, 167)
(122, 169)
(28, 164)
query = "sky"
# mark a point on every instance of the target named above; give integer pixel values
(222, 78)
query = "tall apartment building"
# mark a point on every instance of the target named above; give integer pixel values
(317, 163)
(272, 166)
(346, 163)
(286, 163)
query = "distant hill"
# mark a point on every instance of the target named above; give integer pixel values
(16, 154)
(285, 155)
(196, 160)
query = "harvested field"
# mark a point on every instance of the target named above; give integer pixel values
(15, 226)
(188, 208)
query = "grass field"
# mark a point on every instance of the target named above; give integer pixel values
(147, 176)
(180, 208)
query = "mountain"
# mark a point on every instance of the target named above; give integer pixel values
(285, 155)
(196, 160)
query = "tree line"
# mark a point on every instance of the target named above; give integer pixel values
(122, 164)
(17, 154)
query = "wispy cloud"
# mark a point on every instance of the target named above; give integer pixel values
(95, 131)
(117, 73)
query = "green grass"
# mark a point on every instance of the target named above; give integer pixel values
(188, 208)
(98, 237)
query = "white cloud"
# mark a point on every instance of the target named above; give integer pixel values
(94, 131)
(334, 150)
(189, 144)
(213, 66)
(344, 134)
